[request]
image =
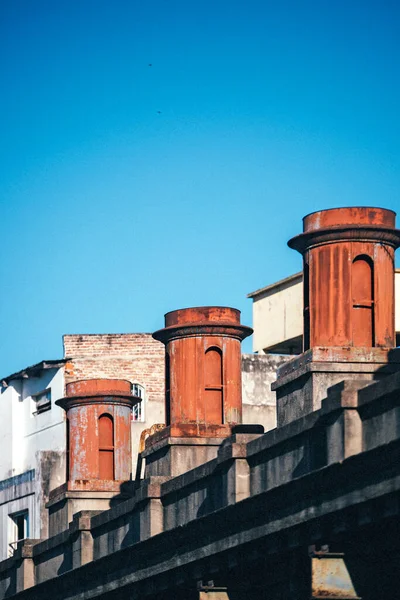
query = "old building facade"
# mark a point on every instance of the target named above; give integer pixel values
(33, 427)
(225, 511)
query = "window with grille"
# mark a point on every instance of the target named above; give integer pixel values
(138, 409)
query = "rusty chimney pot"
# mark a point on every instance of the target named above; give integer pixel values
(98, 433)
(203, 370)
(349, 333)
(348, 256)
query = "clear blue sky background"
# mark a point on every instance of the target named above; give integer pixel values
(129, 190)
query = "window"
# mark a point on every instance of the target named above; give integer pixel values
(213, 374)
(106, 447)
(19, 528)
(138, 409)
(67, 454)
(306, 304)
(167, 389)
(41, 402)
(362, 283)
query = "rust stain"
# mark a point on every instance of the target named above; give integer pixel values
(348, 258)
(331, 579)
(204, 370)
(99, 423)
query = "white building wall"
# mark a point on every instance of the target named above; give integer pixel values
(6, 432)
(43, 431)
(277, 314)
(33, 451)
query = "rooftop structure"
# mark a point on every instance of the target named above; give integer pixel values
(278, 315)
(33, 431)
(308, 510)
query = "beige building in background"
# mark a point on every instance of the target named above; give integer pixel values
(278, 319)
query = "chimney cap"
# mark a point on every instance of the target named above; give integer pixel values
(349, 216)
(99, 387)
(202, 314)
(353, 223)
(202, 320)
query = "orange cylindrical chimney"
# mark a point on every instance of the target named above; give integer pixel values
(98, 432)
(203, 370)
(348, 256)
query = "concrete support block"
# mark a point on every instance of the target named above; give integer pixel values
(233, 452)
(151, 519)
(172, 456)
(344, 435)
(301, 383)
(67, 503)
(151, 508)
(24, 565)
(238, 482)
(81, 536)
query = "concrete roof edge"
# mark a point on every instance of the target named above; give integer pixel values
(277, 284)
(285, 281)
(40, 366)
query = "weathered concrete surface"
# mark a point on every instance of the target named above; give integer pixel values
(257, 496)
(331, 475)
(278, 316)
(348, 256)
(64, 504)
(203, 370)
(302, 382)
(51, 475)
(172, 456)
(259, 401)
(174, 559)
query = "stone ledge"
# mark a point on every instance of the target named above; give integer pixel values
(378, 389)
(150, 488)
(338, 359)
(64, 494)
(242, 523)
(158, 444)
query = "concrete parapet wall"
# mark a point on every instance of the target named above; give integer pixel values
(354, 418)
(52, 557)
(8, 578)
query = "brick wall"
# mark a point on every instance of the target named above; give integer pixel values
(139, 358)
(133, 356)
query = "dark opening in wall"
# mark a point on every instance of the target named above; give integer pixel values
(362, 284)
(106, 447)
(213, 378)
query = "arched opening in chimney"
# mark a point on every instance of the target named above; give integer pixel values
(106, 447)
(306, 304)
(67, 454)
(362, 284)
(213, 377)
(167, 390)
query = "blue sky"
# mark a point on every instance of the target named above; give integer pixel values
(128, 190)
